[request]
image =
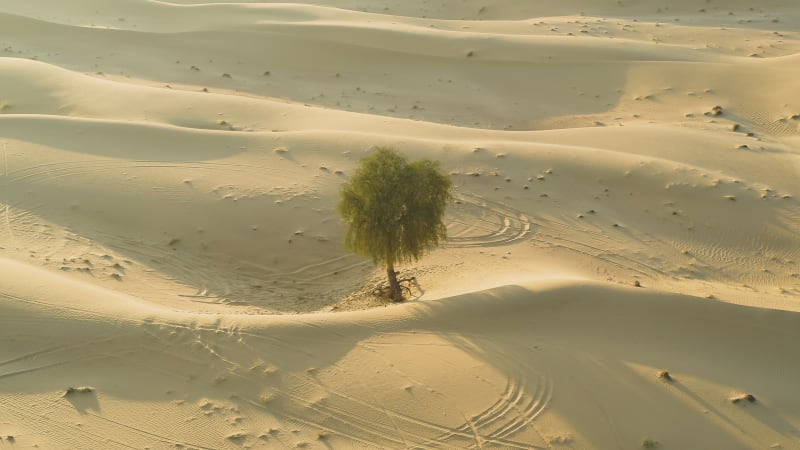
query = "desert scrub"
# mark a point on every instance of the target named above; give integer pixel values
(649, 443)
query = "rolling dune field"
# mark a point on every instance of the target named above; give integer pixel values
(622, 268)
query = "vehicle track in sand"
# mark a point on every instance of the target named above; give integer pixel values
(480, 222)
(213, 275)
(476, 222)
(5, 188)
(524, 395)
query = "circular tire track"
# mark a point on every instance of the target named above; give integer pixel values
(477, 222)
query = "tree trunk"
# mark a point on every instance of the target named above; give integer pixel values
(397, 291)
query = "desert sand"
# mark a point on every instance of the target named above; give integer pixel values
(622, 269)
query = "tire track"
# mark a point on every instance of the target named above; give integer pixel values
(422, 440)
(195, 330)
(72, 436)
(60, 348)
(107, 437)
(558, 234)
(45, 172)
(147, 434)
(249, 282)
(490, 425)
(508, 403)
(479, 222)
(6, 203)
(537, 404)
(484, 224)
(217, 280)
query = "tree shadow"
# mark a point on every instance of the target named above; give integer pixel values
(83, 400)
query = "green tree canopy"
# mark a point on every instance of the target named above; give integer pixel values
(394, 210)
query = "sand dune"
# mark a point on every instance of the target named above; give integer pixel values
(170, 248)
(554, 367)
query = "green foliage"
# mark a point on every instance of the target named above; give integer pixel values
(649, 444)
(394, 208)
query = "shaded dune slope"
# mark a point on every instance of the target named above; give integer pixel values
(534, 371)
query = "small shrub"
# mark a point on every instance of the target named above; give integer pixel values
(78, 390)
(743, 397)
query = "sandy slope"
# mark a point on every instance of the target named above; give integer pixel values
(554, 367)
(167, 193)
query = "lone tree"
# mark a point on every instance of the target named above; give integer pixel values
(394, 210)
